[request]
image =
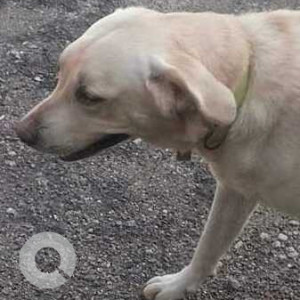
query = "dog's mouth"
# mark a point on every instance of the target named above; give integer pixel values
(104, 142)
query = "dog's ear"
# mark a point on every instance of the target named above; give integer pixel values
(186, 86)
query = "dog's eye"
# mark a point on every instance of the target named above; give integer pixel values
(91, 100)
(86, 98)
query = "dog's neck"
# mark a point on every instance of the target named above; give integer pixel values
(234, 73)
(217, 135)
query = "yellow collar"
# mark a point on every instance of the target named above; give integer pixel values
(215, 138)
(241, 90)
(217, 135)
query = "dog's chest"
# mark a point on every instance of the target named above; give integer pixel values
(271, 176)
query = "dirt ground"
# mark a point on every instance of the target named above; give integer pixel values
(131, 213)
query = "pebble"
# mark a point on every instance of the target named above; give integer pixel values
(11, 211)
(137, 141)
(29, 45)
(16, 54)
(10, 163)
(6, 291)
(282, 256)
(235, 284)
(292, 253)
(165, 211)
(238, 245)
(149, 251)
(38, 78)
(264, 236)
(131, 223)
(276, 244)
(294, 223)
(282, 237)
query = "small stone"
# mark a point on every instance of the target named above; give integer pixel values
(264, 236)
(2, 117)
(5, 291)
(282, 237)
(282, 256)
(292, 253)
(119, 223)
(276, 244)
(16, 54)
(131, 223)
(234, 283)
(294, 223)
(290, 249)
(29, 45)
(11, 211)
(12, 153)
(238, 245)
(137, 141)
(10, 163)
(38, 78)
(165, 211)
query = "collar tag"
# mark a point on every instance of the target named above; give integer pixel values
(215, 137)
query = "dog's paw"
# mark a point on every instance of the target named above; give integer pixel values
(172, 286)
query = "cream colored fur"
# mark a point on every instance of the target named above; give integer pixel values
(169, 78)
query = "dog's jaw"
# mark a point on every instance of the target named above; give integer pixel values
(104, 142)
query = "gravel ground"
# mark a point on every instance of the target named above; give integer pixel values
(131, 213)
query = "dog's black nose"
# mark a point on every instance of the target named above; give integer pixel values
(27, 132)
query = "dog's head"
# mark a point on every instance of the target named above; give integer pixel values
(128, 76)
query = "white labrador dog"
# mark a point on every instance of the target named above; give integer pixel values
(225, 86)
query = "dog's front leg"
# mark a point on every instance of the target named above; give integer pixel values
(227, 217)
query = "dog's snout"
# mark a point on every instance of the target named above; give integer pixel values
(27, 131)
